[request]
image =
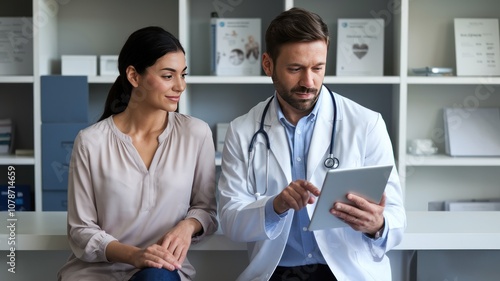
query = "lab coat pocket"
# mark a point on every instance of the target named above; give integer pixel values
(374, 266)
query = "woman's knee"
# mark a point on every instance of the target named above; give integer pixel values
(159, 274)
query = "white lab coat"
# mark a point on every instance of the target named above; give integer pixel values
(361, 140)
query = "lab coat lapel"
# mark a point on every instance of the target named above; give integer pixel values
(279, 142)
(320, 142)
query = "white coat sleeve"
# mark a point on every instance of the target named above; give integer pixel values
(379, 152)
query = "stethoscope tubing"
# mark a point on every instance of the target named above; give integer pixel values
(330, 162)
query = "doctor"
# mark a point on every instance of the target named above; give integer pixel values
(270, 179)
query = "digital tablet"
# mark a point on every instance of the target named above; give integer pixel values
(369, 182)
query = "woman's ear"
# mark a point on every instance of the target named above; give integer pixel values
(267, 64)
(132, 76)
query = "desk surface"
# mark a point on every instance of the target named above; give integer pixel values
(425, 231)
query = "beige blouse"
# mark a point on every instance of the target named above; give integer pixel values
(113, 196)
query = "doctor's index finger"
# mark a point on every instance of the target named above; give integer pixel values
(310, 187)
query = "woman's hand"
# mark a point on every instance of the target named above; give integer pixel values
(169, 252)
(178, 240)
(155, 256)
(152, 256)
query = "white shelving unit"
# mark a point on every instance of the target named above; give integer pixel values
(417, 34)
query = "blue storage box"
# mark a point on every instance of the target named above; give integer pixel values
(57, 145)
(54, 200)
(64, 99)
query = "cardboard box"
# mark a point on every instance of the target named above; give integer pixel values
(79, 65)
(108, 66)
(235, 46)
(360, 47)
(16, 46)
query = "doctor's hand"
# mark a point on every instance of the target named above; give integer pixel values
(295, 196)
(364, 216)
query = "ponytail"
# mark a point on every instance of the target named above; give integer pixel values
(118, 98)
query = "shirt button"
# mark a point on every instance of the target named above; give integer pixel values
(309, 255)
(299, 132)
(304, 228)
(299, 159)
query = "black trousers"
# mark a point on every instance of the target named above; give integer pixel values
(311, 272)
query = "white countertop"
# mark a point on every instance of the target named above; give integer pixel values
(425, 231)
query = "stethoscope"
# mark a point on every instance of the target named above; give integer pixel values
(331, 162)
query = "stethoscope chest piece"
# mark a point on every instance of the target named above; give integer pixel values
(332, 162)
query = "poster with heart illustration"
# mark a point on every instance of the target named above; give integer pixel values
(360, 47)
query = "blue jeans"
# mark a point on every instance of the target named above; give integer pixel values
(156, 274)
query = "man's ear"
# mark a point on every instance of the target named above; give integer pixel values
(267, 64)
(132, 76)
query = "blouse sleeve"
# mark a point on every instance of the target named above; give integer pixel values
(203, 203)
(86, 239)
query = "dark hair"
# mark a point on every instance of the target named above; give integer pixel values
(294, 25)
(141, 50)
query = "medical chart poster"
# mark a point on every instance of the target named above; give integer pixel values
(477, 47)
(360, 47)
(236, 46)
(16, 46)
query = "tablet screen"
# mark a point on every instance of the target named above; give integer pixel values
(368, 182)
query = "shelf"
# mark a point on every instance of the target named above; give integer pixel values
(101, 79)
(451, 231)
(16, 79)
(453, 80)
(426, 231)
(196, 79)
(445, 160)
(16, 160)
(362, 80)
(208, 79)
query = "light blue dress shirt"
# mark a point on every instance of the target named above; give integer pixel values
(301, 248)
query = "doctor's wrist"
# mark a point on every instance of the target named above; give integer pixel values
(378, 233)
(279, 205)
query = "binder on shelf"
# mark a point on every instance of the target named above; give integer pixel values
(360, 47)
(6, 136)
(472, 131)
(477, 47)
